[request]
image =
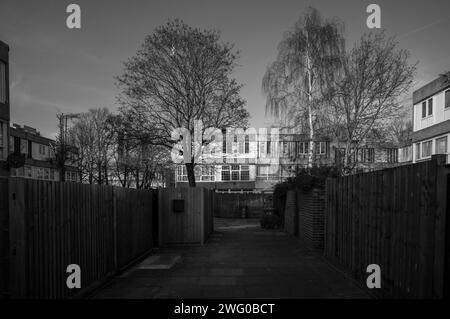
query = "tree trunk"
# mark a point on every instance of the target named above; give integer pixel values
(310, 116)
(191, 174)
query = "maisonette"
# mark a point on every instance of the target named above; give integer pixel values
(431, 119)
(36, 156)
(256, 162)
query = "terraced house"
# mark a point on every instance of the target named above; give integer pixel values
(39, 161)
(431, 119)
(256, 162)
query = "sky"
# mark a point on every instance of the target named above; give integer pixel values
(56, 69)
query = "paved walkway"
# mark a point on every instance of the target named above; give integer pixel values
(240, 261)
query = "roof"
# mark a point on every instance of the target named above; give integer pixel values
(430, 89)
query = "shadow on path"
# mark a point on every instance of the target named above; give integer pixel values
(240, 260)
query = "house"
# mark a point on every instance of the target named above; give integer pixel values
(431, 119)
(257, 162)
(4, 108)
(36, 156)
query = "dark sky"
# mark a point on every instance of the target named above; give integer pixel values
(56, 69)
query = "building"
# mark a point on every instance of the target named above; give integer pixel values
(4, 108)
(257, 162)
(38, 156)
(431, 119)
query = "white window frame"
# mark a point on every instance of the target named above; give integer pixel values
(446, 144)
(445, 99)
(422, 148)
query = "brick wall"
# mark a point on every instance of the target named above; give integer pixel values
(311, 217)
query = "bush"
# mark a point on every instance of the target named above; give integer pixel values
(307, 179)
(270, 221)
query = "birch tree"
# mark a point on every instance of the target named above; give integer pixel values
(308, 56)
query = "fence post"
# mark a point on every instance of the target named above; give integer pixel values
(17, 237)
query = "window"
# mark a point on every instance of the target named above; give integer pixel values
(417, 151)
(52, 174)
(392, 155)
(430, 106)
(262, 171)
(441, 145)
(208, 173)
(30, 149)
(20, 171)
(235, 172)
(3, 141)
(247, 145)
(3, 86)
(40, 173)
(28, 172)
(321, 148)
(46, 173)
(23, 146)
(285, 149)
(226, 173)
(424, 109)
(181, 173)
(447, 98)
(245, 172)
(224, 144)
(426, 148)
(303, 148)
(366, 155)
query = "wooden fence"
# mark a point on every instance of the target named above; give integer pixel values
(396, 218)
(52, 225)
(185, 215)
(230, 205)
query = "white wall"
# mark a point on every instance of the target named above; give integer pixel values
(440, 114)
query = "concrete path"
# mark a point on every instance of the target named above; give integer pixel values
(240, 261)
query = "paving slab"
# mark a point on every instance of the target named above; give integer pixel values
(237, 262)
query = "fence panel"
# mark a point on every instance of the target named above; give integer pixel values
(395, 218)
(53, 225)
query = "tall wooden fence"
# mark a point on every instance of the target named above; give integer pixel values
(52, 225)
(230, 205)
(185, 215)
(396, 218)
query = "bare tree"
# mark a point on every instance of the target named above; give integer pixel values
(179, 76)
(374, 74)
(308, 56)
(91, 136)
(135, 164)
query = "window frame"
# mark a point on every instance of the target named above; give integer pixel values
(430, 142)
(446, 144)
(447, 99)
(3, 83)
(430, 106)
(424, 109)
